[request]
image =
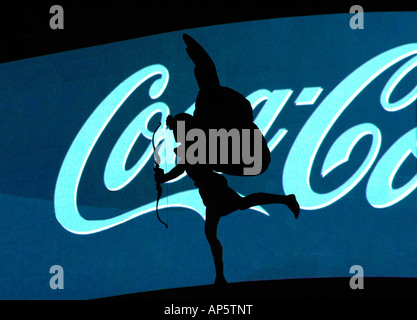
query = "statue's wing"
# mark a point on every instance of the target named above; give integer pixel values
(205, 70)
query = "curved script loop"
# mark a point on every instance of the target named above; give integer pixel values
(296, 175)
(65, 199)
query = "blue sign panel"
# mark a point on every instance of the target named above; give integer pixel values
(336, 105)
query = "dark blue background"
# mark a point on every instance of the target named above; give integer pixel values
(46, 100)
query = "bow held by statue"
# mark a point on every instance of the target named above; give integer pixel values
(157, 170)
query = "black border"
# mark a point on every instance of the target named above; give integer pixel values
(25, 30)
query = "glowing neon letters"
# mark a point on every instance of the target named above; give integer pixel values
(296, 176)
(297, 169)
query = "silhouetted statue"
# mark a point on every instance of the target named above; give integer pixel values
(217, 107)
(221, 107)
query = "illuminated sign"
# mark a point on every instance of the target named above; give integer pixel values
(336, 105)
(296, 175)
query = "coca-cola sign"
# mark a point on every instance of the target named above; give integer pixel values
(336, 107)
(297, 169)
